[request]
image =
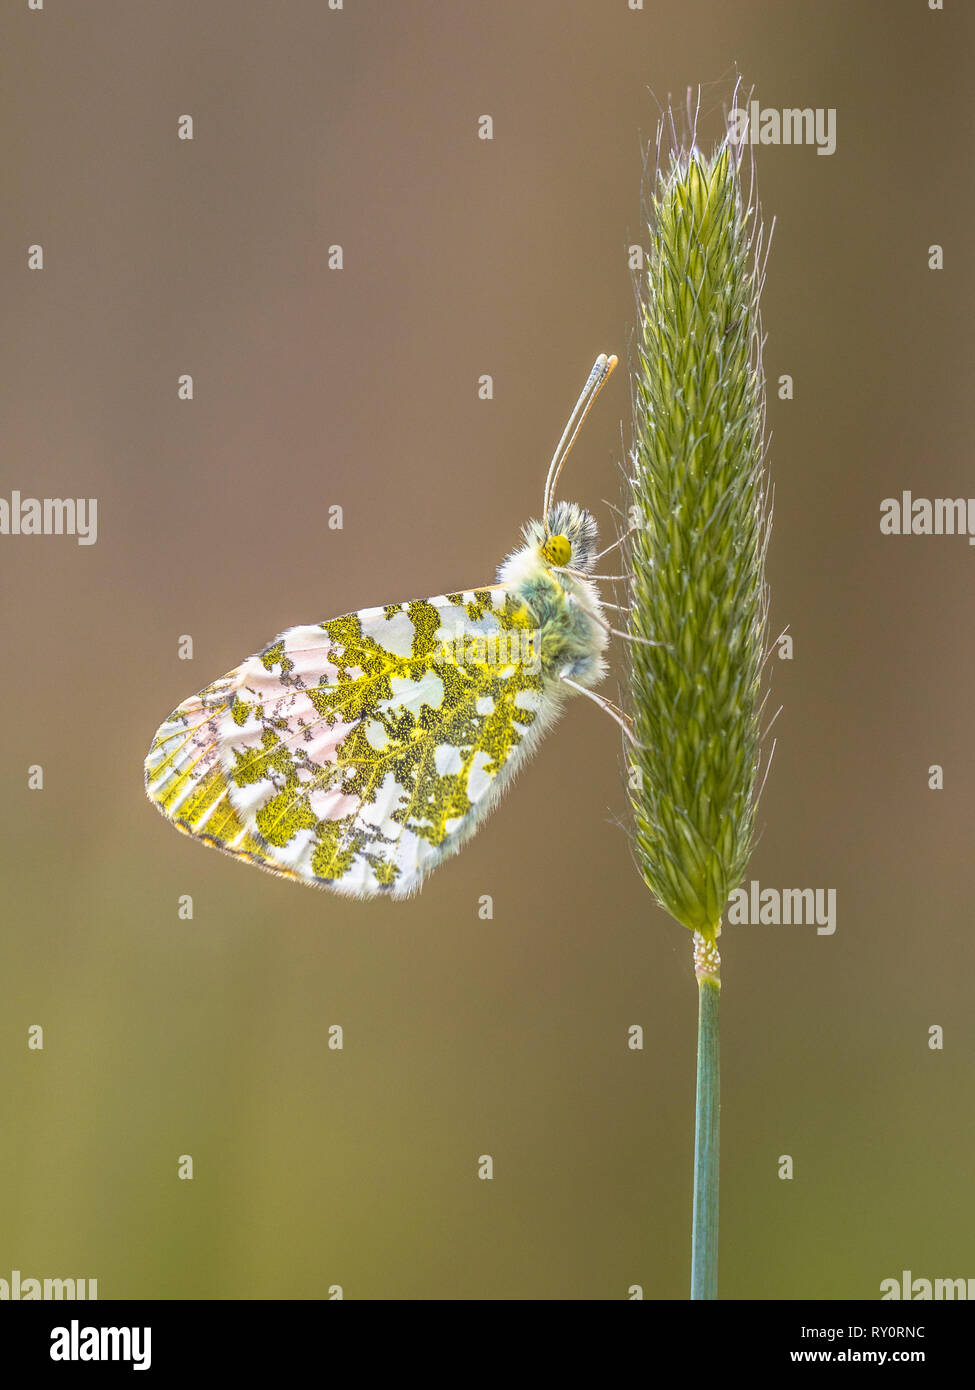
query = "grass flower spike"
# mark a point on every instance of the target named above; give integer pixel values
(699, 523)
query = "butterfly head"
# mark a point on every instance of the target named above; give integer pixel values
(569, 540)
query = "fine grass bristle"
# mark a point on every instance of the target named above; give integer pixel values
(700, 525)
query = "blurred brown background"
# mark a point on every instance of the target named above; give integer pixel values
(314, 387)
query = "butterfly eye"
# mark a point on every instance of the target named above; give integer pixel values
(557, 550)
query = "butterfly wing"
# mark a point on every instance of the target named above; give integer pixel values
(357, 753)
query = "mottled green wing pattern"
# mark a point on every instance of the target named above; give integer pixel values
(357, 753)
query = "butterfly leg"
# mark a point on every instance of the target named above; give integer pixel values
(584, 574)
(615, 631)
(614, 712)
(619, 541)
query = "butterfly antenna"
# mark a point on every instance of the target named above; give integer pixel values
(602, 367)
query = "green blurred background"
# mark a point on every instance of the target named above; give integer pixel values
(209, 1037)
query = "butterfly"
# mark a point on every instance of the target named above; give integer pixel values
(358, 753)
